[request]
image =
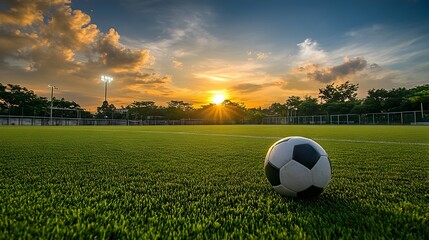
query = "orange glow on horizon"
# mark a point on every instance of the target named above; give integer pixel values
(218, 113)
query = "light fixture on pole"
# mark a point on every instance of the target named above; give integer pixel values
(52, 96)
(106, 79)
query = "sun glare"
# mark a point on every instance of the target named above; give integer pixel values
(218, 98)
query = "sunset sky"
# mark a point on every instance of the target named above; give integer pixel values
(256, 52)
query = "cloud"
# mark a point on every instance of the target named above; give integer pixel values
(141, 78)
(325, 74)
(44, 40)
(258, 55)
(247, 87)
(252, 87)
(364, 31)
(49, 36)
(374, 67)
(25, 13)
(390, 56)
(69, 28)
(177, 64)
(184, 33)
(226, 71)
(309, 50)
(350, 66)
(316, 63)
(44, 33)
(118, 58)
(12, 41)
(387, 45)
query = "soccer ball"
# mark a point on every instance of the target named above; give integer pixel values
(298, 167)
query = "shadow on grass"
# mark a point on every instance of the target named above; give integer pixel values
(330, 216)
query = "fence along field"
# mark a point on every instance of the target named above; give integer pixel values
(207, 182)
(386, 118)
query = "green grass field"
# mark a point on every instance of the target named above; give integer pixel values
(208, 182)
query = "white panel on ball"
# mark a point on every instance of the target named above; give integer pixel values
(280, 153)
(284, 191)
(295, 176)
(321, 172)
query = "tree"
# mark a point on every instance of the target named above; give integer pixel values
(254, 115)
(340, 93)
(340, 107)
(381, 100)
(106, 110)
(184, 106)
(420, 97)
(375, 101)
(3, 96)
(226, 112)
(309, 106)
(278, 109)
(396, 100)
(142, 109)
(292, 105)
(70, 108)
(293, 102)
(178, 110)
(19, 100)
(339, 99)
(234, 112)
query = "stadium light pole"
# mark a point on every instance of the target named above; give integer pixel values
(106, 80)
(52, 96)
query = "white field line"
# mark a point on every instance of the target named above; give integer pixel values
(373, 142)
(265, 137)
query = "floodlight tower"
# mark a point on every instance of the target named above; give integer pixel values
(106, 79)
(52, 96)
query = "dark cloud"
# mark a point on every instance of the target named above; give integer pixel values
(325, 74)
(375, 67)
(48, 42)
(247, 87)
(322, 76)
(144, 79)
(12, 40)
(116, 57)
(251, 87)
(50, 36)
(27, 12)
(350, 66)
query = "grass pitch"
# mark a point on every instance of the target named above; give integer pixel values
(208, 182)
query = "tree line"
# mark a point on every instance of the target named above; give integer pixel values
(19, 101)
(332, 99)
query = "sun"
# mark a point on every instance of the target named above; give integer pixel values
(218, 98)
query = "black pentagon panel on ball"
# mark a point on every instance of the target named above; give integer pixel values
(310, 192)
(273, 174)
(306, 155)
